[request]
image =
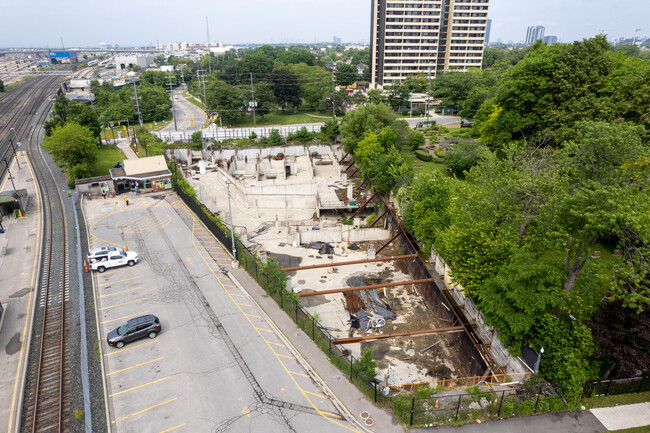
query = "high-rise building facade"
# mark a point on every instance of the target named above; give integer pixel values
(412, 36)
(533, 33)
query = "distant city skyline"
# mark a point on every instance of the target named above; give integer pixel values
(41, 23)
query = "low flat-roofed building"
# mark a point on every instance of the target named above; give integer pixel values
(148, 174)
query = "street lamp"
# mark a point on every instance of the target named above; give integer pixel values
(12, 179)
(232, 233)
(11, 141)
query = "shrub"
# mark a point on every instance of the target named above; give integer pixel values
(79, 171)
(423, 156)
(252, 135)
(275, 139)
(371, 218)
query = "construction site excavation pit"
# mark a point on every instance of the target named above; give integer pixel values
(290, 203)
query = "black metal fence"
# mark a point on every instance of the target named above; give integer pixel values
(617, 386)
(461, 408)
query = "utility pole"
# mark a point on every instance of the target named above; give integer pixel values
(137, 103)
(333, 103)
(253, 103)
(171, 94)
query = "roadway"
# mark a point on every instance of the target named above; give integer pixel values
(189, 117)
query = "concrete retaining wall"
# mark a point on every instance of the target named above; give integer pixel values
(343, 234)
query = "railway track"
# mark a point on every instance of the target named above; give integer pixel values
(46, 404)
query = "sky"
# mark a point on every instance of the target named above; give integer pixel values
(42, 23)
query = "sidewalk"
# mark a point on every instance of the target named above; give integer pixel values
(346, 392)
(126, 148)
(19, 265)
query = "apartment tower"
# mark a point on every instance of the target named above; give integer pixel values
(412, 36)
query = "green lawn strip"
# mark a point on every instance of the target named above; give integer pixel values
(107, 156)
(616, 400)
(644, 429)
(423, 167)
(278, 118)
(196, 102)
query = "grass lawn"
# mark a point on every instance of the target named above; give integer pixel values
(616, 400)
(278, 118)
(423, 167)
(107, 156)
(644, 429)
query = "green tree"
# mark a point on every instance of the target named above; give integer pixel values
(371, 117)
(84, 116)
(426, 214)
(258, 64)
(331, 129)
(79, 171)
(521, 294)
(2, 86)
(155, 104)
(286, 88)
(70, 145)
(464, 155)
(225, 99)
(345, 74)
(315, 83)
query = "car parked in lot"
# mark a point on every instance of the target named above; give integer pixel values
(134, 329)
(102, 251)
(112, 259)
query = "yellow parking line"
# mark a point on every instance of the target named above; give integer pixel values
(139, 386)
(263, 329)
(118, 281)
(335, 415)
(313, 393)
(173, 428)
(285, 356)
(236, 294)
(123, 291)
(274, 343)
(252, 315)
(129, 368)
(132, 347)
(295, 373)
(125, 317)
(144, 410)
(243, 305)
(115, 271)
(124, 303)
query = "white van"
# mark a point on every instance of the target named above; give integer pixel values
(113, 259)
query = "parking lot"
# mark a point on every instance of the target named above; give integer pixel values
(218, 363)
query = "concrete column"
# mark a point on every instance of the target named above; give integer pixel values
(350, 191)
(277, 225)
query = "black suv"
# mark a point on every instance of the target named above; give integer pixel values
(134, 329)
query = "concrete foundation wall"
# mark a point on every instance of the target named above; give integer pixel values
(342, 234)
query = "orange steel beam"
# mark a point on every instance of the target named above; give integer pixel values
(363, 206)
(399, 232)
(354, 262)
(377, 219)
(344, 156)
(398, 334)
(356, 289)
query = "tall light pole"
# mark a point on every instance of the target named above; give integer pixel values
(11, 141)
(12, 180)
(232, 233)
(171, 93)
